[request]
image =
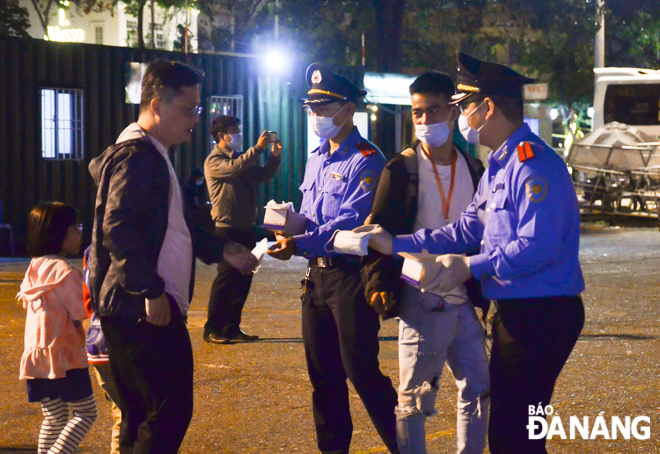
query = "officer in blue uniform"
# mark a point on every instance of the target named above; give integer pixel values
(526, 221)
(340, 329)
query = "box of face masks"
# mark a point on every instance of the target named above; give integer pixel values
(420, 270)
(283, 217)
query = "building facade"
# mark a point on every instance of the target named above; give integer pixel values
(115, 26)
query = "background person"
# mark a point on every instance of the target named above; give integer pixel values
(194, 193)
(427, 186)
(54, 363)
(340, 329)
(97, 356)
(232, 176)
(141, 265)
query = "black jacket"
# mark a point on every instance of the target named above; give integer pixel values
(382, 273)
(130, 221)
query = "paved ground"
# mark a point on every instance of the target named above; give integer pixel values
(256, 398)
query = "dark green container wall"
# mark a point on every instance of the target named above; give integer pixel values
(26, 65)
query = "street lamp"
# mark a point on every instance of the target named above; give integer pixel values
(276, 61)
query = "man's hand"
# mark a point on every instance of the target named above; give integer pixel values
(285, 247)
(264, 140)
(456, 271)
(382, 302)
(277, 149)
(381, 240)
(158, 311)
(240, 257)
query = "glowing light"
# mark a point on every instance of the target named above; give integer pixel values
(554, 113)
(374, 117)
(275, 61)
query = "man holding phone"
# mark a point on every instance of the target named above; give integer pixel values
(232, 176)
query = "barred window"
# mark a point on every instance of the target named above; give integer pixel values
(62, 123)
(131, 33)
(98, 34)
(160, 40)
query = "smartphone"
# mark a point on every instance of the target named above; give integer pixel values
(272, 136)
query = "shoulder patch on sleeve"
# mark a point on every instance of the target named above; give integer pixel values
(368, 179)
(536, 188)
(525, 151)
(365, 148)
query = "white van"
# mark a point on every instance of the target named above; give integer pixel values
(628, 95)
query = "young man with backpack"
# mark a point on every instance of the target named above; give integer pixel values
(428, 186)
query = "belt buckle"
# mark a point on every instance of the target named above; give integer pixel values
(323, 262)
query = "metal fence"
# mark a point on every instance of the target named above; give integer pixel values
(100, 75)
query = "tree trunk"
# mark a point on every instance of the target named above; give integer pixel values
(153, 26)
(44, 15)
(389, 28)
(140, 24)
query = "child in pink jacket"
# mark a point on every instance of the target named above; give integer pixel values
(54, 362)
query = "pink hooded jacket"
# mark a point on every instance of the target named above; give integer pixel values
(54, 337)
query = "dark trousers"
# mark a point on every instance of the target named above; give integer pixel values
(229, 290)
(340, 334)
(153, 368)
(532, 339)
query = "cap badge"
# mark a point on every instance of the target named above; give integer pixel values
(464, 87)
(316, 77)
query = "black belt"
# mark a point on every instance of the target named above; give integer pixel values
(334, 262)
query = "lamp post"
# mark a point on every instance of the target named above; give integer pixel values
(599, 45)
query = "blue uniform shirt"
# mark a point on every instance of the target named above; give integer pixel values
(524, 218)
(338, 191)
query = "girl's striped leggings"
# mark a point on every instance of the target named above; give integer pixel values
(59, 434)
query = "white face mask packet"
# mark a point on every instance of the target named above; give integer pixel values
(352, 242)
(421, 271)
(259, 251)
(283, 216)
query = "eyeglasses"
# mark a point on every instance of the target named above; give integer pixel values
(311, 113)
(195, 112)
(464, 106)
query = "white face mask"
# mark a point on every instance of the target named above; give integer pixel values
(433, 135)
(236, 142)
(471, 135)
(324, 127)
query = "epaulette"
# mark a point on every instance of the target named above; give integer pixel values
(365, 148)
(525, 151)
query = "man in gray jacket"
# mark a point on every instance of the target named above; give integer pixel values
(232, 176)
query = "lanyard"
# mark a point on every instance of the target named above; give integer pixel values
(446, 201)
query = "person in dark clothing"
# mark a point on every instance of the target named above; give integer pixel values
(232, 176)
(141, 264)
(339, 328)
(194, 193)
